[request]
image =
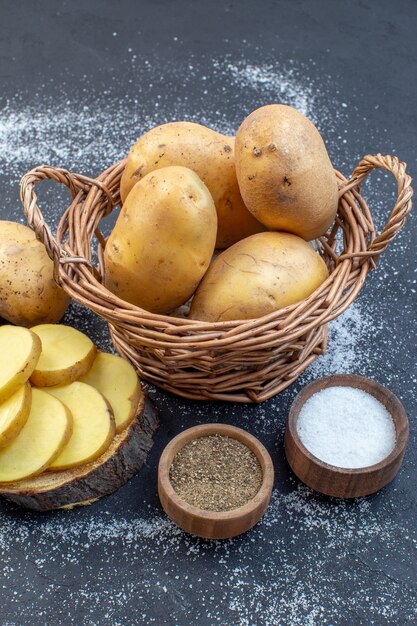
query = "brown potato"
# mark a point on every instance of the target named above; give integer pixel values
(257, 276)
(163, 240)
(211, 156)
(285, 175)
(29, 294)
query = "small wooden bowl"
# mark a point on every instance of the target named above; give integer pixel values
(342, 482)
(213, 524)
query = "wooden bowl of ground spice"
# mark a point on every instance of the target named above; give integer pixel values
(346, 435)
(215, 481)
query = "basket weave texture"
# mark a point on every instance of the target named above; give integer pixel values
(240, 361)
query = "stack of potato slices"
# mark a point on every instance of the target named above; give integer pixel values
(61, 401)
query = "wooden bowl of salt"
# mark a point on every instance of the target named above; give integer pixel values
(215, 480)
(346, 436)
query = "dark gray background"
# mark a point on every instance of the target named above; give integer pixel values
(79, 82)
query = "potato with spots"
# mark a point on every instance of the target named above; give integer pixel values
(29, 294)
(257, 276)
(163, 240)
(285, 175)
(211, 156)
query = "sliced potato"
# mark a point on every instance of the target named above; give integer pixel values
(19, 353)
(117, 380)
(47, 430)
(14, 414)
(66, 355)
(93, 424)
(82, 485)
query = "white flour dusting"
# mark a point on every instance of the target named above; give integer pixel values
(89, 132)
(346, 345)
(278, 591)
(283, 84)
(65, 134)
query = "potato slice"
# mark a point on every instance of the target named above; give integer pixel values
(19, 353)
(14, 414)
(47, 430)
(66, 355)
(117, 380)
(93, 424)
(85, 484)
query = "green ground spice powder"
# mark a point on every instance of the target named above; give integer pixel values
(216, 473)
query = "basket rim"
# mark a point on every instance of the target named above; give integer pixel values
(173, 322)
(236, 360)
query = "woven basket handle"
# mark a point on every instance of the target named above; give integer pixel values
(402, 206)
(76, 183)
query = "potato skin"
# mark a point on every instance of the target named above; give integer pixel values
(257, 276)
(211, 156)
(29, 294)
(163, 240)
(285, 174)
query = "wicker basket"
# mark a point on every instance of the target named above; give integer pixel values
(240, 361)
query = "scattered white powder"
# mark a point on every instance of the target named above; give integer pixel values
(266, 574)
(283, 83)
(89, 130)
(348, 337)
(346, 427)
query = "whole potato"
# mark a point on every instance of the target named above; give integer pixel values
(162, 241)
(211, 156)
(285, 175)
(29, 294)
(256, 276)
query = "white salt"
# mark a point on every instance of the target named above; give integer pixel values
(346, 427)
